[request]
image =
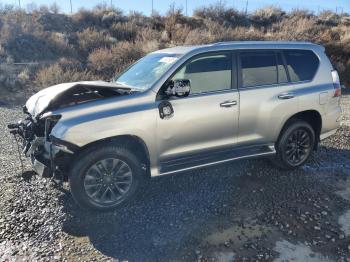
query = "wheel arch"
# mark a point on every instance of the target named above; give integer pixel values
(135, 143)
(313, 117)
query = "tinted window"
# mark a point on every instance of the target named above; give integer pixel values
(207, 73)
(282, 74)
(258, 68)
(302, 64)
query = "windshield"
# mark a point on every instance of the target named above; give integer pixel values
(144, 73)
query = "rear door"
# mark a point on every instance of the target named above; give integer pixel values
(266, 95)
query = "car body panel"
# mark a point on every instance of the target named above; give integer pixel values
(199, 124)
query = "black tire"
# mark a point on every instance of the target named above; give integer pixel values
(90, 161)
(296, 138)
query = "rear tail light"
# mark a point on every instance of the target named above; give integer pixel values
(336, 83)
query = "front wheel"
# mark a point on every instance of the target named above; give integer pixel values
(295, 145)
(106, 177)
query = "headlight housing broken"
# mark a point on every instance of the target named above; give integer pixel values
(50, 122)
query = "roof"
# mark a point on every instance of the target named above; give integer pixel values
(239, 45)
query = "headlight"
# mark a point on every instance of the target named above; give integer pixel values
(50, 122)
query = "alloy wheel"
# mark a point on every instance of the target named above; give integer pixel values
(298, 147)
(108, 181)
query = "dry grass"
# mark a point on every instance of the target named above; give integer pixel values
(106, 62)
(55, 74)
(98, 43)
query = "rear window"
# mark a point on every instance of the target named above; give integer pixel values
(258, 68)
(302, 64)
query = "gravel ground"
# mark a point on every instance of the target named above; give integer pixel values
(241, 211)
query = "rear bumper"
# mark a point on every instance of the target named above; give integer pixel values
(331, 122)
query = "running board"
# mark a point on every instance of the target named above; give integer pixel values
(218, 157)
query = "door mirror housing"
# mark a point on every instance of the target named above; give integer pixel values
(178, 88)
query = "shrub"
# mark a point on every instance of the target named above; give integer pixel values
(90, 39)
(300, 13)
(28, 48)
(198, 37)
(55, 74)
(329, 18)
(148, 34)
(107, 62)
(86, 18)
(221, 14)
(55, 22)
(304, 29)
(8, 77)
(266, 16)
(112, 17)
(124, 31)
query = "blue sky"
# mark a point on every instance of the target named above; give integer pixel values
(161, 6)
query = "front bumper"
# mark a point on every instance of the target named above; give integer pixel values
(53, 159)
(41, 168)
(48, 154)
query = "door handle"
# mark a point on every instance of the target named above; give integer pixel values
(286, 96)
(228, 103)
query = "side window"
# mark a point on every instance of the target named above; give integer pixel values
(282, 74)
(302, 64)
(207, 73)
(258, 68)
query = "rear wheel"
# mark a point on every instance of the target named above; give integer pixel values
(106, 177)
(295, 145)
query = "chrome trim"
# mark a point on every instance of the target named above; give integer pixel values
(218, 162)
(228, 103)
(286, 95)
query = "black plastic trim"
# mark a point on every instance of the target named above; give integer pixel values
(60, 142)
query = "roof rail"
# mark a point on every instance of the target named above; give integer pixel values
(224, 43)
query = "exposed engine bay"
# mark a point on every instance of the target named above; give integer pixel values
(33, 132)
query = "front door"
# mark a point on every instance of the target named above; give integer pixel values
(207, 119)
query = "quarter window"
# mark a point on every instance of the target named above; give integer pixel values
(258, 68)
(207, 73)
(302, 64)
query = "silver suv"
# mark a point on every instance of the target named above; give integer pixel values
(179, 109)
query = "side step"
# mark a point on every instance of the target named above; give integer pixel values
(207, 159)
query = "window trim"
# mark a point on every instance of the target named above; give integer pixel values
(234, 74)
(281, 53)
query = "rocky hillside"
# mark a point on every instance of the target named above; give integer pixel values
(43, 47)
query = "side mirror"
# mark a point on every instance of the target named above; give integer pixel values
(179, 88)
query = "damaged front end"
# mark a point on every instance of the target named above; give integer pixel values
(50, 156)
(33, 135)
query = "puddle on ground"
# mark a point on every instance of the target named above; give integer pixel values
(224, 256)
(237, 234)
(300, 252)
(344, 189)
(344, 222)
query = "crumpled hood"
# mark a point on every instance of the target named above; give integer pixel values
(40, 101)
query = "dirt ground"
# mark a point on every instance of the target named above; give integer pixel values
(240, 211)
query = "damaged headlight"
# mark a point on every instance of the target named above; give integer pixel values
(50, 122)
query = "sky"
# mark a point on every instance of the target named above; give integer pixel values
(145, 6)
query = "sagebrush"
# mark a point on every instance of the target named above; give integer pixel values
(98, 43)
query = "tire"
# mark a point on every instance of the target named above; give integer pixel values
(296, 138)
(103, 171)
